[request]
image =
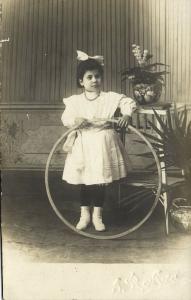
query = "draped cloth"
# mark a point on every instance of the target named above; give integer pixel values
(96, 155)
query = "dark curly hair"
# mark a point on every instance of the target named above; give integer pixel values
(87, 65)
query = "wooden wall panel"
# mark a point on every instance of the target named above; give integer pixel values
(178, 49)
(39, 62)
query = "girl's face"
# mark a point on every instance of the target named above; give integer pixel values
(91, 81)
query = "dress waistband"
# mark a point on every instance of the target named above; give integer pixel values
(98, 127)
(67, 147)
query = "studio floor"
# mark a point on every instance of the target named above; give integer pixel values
(32, 231)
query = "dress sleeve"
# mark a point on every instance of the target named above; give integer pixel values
(69, 114)
(127, 106)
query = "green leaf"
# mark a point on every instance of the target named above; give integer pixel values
(181, 115)
(189, 129)
(184, 122)
(154, 65)
(131, 71)
(176, 118)
(125, 78)
(149, 56)
(157, 74)
(158, 131)
(155, 145)
(153, 137)
(145, 154)
(169, 121)
(151, 165)
(160, 121)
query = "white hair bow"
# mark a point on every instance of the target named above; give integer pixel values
(84, 56)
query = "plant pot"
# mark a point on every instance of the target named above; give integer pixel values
(180, 214)
(147, 93)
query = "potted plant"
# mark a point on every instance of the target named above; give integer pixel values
(173, 145)
(147, 79)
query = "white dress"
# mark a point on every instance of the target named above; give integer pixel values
(98, 155)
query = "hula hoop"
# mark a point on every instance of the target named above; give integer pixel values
(95, 236)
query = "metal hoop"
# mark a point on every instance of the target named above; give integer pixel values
(102, 237)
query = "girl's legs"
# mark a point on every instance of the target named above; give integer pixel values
(98, 195)
(85, 202)
(98, 201)
(84, 218)
(91, 194)
(85, 195)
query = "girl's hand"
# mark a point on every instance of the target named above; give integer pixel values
(79, 121)
(124, 121)
(82, 122)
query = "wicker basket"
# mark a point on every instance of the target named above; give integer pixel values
(180, 214)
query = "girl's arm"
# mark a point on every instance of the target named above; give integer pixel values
(127, 107)
(67, 121)
(70, 122)
(70, 116)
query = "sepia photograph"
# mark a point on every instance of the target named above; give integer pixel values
(95, 149)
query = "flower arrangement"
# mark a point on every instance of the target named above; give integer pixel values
(145, 72)
(147, 80)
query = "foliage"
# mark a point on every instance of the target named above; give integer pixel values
(173, 141)
(145, 72)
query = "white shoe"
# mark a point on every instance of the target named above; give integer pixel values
(97, 219)
(84, 218)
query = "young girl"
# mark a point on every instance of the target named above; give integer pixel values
(97, 156)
